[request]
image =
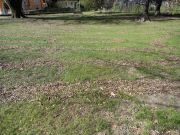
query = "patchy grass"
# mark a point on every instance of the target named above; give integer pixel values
(68, 74)
(31, 76)
(77, 114)
(86, 112)
(160, 120)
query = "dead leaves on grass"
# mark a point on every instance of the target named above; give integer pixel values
(6, 47)
(140, 87)
(30, 64)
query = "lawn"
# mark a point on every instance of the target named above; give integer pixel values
(89, 73)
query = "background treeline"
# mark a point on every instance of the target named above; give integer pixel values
(136, 6)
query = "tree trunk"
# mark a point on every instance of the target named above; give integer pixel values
(158, 7)
(145, 16)
(16, 8)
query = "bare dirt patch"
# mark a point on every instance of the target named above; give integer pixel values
(116, 40)
(161, 100)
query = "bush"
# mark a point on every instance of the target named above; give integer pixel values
(92, 4)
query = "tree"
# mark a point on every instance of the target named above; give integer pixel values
(98, 4)
(108, 4)
(158, 4)
(92, 4)
(16, 8)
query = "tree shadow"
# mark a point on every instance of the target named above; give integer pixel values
(166, 17)
(111, 18)
(102, 18)
(98, 18)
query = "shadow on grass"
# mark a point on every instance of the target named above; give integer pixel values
(103, 18)
(96, 18)
(91, 19)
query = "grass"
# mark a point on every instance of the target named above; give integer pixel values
(76, 74)
(160, 119)
(39, 119)
(46, 116)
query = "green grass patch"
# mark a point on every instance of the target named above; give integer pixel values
(160, 119)
(18, 55)
(168, 72)
(85, 72)
(30, 76)
(173, 42)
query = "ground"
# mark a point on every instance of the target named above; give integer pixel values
(90, 73)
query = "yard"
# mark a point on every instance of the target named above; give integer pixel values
(89, 74)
